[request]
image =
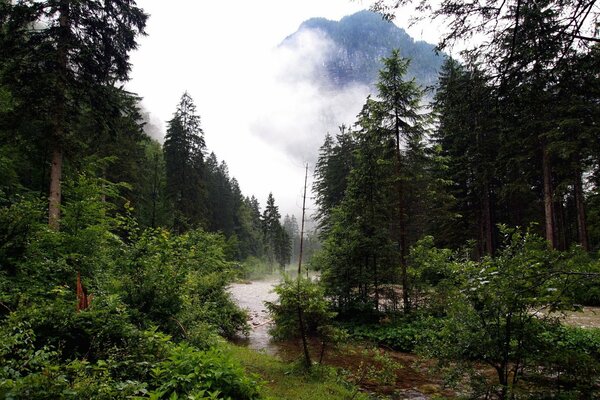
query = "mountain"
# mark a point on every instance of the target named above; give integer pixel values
(360, 41)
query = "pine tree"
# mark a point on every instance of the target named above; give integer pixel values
(401, 120)
(152, 207)
(75, 55)
(331, 174)
(467, 134)
(291, 228)
(184, 149)
(277, 242)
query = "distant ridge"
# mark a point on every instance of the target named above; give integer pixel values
(361, 40)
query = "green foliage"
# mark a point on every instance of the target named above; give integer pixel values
(430, 269)
(19, 222)
(277, 242)
(300, 293)
(403, 334)
(178, 283)
(61, 353)
(202, 375)
(184, 162)
(499, 311)
(573, 354)
(136, 279)
(380, 369)
(152, 208)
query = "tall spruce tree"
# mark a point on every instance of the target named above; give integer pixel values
(401, 121)
(467, 134)
(277, 242)
(331, 174)
(184, 150)
(57, 56)
(383, 206)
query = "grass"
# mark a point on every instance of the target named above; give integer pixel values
(288, 381)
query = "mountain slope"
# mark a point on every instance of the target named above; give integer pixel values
(360, 41)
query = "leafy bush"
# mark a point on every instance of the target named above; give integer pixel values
(498, 312)
(146, 365)
(32, 371)
(302, 310)
(141, 283)
(307, 295)
(401, 335)
(573, 355)
(179, 283)
(202, 375)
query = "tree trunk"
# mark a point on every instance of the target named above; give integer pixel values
(548, 195)
(302, 228)
(55, 189)
(54, 198)
(487, 217)
(560, 225)
(307, 359)
(582, 233)
(401, 221)
(376, 283)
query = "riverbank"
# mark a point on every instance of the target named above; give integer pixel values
(287, 380)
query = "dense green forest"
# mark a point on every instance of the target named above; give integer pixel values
(468, 221)
(115, 286)
(459, 230)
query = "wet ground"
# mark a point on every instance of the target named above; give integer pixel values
(412, 379)
(588, 318)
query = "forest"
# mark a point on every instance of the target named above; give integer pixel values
(459, 223)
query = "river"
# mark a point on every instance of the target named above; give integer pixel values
(251, 296)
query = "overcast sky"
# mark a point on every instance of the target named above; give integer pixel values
(256, 102)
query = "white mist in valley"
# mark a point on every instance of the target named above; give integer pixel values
(303, 106)
(263, 107)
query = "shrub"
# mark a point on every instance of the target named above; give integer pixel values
(307, 295)
(402, 335)
(202, 375)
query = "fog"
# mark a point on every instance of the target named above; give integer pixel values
(302, 106)
(264, 108)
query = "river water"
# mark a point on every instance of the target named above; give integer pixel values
(251, 296)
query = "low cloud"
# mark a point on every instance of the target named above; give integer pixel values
(302, 105)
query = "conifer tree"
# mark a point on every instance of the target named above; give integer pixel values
(401, 122)
(331, 174)
(467, 134)
(59, 55)
(277, 242)
(184, 149)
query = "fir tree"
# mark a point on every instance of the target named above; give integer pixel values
(184, 160)
(58, 55)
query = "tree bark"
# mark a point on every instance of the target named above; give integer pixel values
(580, 206)
(55, 188)
(376, 283)
(548, 195)
(307, 359)
(487, 217)
(561, 226)
(54, 198)
(401, 221)
(302, 225)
